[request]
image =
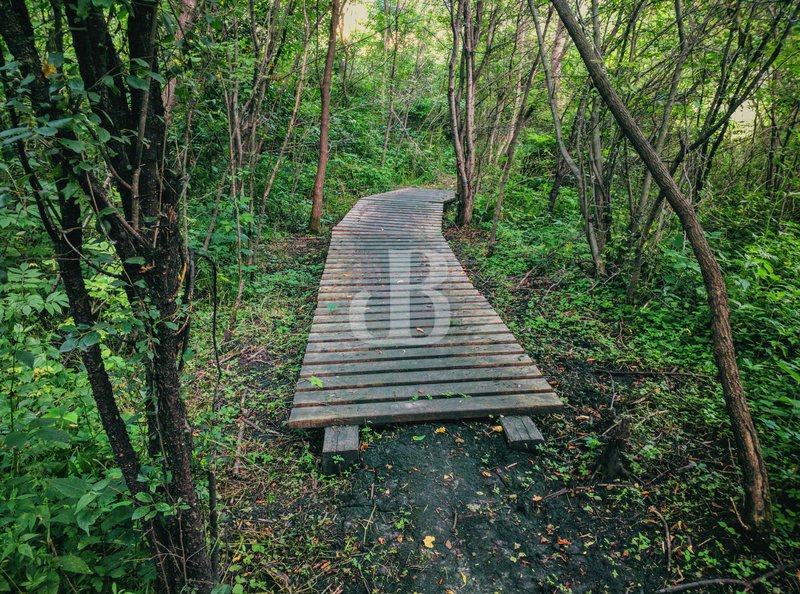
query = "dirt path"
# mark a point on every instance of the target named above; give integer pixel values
(501, 520)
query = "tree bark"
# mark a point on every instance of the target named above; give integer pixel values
(325, 122)
(758, 509)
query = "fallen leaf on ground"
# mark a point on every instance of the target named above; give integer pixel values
(428, 541)
(497, 428)
(440, 430)
(563, 541)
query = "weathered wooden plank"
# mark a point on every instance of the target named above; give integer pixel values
(429, 364)
(386, 343)
(434, 350)
(414, 323)
(340, 448)
(307, 417)
(378, 339)
(521, 432)
(420, 378)
(415, 314)
(380, 290)
(472, 389)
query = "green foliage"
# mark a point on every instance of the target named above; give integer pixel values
(64, 519)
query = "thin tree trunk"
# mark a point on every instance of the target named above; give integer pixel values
(755, 482)
(325, 123)
(390, 115)
(591, 237)
(520, 115)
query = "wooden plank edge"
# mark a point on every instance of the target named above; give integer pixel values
(422, 411)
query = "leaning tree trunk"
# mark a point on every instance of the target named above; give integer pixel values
(325, 123)
(758, 509)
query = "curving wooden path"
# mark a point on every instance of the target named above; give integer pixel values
(401, 335)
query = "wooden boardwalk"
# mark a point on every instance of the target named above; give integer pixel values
(401, 335)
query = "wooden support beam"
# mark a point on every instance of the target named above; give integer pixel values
(340, 448)
(521, 432)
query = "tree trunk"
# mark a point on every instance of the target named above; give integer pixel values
(144, 225)
(325, 123)
(758, 509)
(591, 237)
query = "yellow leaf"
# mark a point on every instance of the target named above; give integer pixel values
(428, 541)
(498, 428)
(439, 430)
(463, 577)
(48, 69)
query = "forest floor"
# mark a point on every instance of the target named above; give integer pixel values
(449, 507)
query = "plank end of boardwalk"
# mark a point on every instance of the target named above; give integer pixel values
(521, 433)
(340, 448)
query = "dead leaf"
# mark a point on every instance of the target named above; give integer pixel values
(48, 69)
(563, 541)
(543, 540)
(537, 497)
(448, 544)
(420, 330)
(439, 430)
(498, 428)
(486, 474)
(428, 541)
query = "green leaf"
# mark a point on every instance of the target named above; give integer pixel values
(417, 437)
(53, 434)
(69, 344)
(70, 487)
(74, 145)
(137, 83)
(74, 564)
(140, 512)
(315, 381)
(103, 135)
(16, 439)
(144, 497)
(90, 339)
(84, 501)
(25, 357)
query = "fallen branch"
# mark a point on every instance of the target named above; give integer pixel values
(652, 373)
(747, 585)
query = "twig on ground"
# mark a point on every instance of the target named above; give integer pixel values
(738, 517)
(666, 472)
(653, 373)
(650, 416)
(257, 428)
(239, 437)
(555, 494)
(667, 537)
